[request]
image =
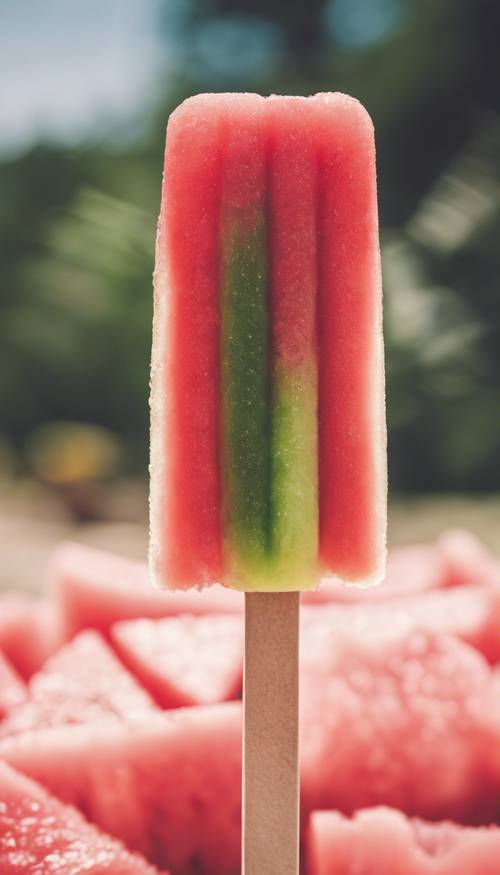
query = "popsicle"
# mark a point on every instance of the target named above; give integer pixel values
(267, 398)
(267, 401)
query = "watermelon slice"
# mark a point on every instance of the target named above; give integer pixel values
(410, 570)
(12, 687)
(410, 721)
(82, 683)
(467, 560)
(38, 834)
(457, 558)
(184, 660)
(471, 613)
(96, 589)
(383, 840)
(169, 787)
(30, 631)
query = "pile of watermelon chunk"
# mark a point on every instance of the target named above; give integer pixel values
(120, 721)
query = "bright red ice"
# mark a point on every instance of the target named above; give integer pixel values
(351, 429)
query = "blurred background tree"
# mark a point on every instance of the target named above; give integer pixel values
(78, 213)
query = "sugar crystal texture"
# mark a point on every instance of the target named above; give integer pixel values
(38, 834)
(267, 402)
(160, 654)
(83, 683)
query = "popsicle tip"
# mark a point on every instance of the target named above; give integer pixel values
(349, 104)
(192, 109)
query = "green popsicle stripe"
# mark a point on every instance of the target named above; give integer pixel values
(246, 426)
(269, 431)
(294, 478)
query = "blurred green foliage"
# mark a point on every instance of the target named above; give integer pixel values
(77, 225)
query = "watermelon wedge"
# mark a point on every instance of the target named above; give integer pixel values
(410, 570)
(471, 613)
(184, 660)
(168, 788)
(12, 687)
(466, 559)
(410, 721)
(82, 683)
(38, 834)
(96, 589)
(30, 631)
(457, 558)
(384, 840)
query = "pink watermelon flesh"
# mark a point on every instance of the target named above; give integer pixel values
(407, 721)
(471, 613)
(381, 840)
(456, 559)
(30, 631)
(410, 570)
(184, 660)
(83, 682)
(466, 559)
(169, 788)
(96, 589)
(12, 687)
(38, 834)
(412, 722)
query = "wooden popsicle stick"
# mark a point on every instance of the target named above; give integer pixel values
(270, 737)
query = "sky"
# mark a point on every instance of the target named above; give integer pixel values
(71, 69)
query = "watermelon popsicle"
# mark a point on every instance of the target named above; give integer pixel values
(267, 400)
(268, 433)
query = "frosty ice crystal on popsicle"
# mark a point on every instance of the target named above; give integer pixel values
(268, 431)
